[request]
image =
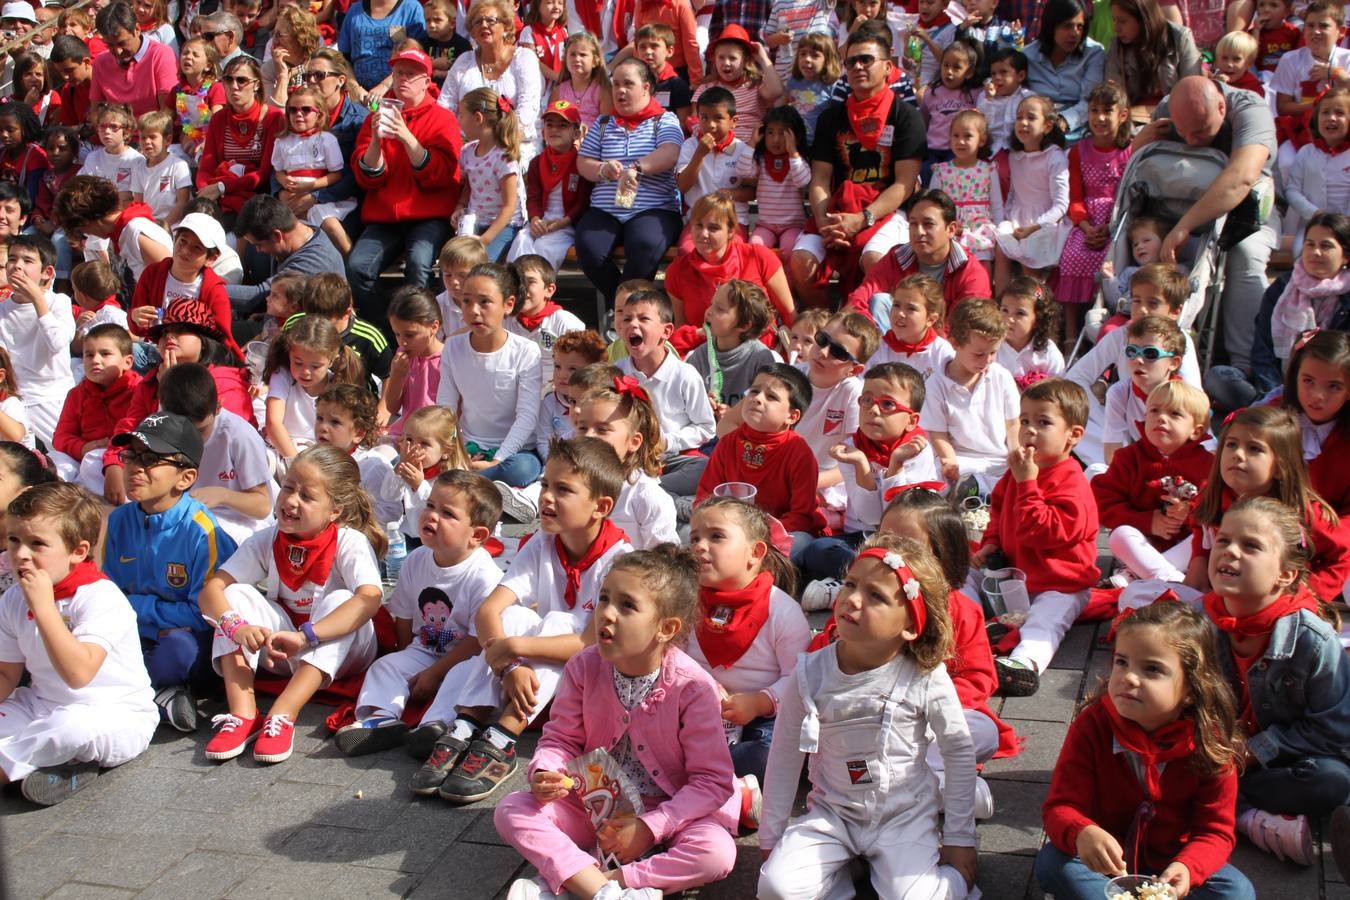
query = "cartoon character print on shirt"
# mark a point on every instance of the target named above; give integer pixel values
(436, 609)
(752, 454)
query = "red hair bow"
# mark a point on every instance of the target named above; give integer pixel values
(628, 386)
(1304, 338)
(504, 104)
(1232, 415)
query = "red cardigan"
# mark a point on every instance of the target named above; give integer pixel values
(576, 192)
(215, 168)
(231, 389)
(150, 289)
(1130, 490)
(781, 467)
(400, 193)
(91, 413)
(1093, 785)
(963, 276)
(971, 666)
(1330, 471)
(1047, 528)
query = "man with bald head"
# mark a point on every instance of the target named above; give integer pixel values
(1204, 113)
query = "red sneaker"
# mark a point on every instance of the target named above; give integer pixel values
(276, 741)
(232, 736)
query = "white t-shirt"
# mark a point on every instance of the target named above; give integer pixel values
(394, 490)
(496, 394)
(354, 567)
(298, 406)
(160, 183)
(374, 468)
(537, 580)
(13, 407)
(115, 168)
(718, 172)
(770, 660)
(452, 319)
(39, 349)
(645, 512)
(831, 417)
(104, 315)
(98, 614)
(681, 402)
(554, 326)
(128, 249)
(453, 593)
(927, 361)
(235, 457)
(1291, 72)
(975, 420)
(175, 290)
(864, 509)
(1021, 363)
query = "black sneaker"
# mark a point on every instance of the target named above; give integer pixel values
(1016, 679)
(422, 740)
(52, 785)
(445, 755)
(479, 773)
(178, 708)
(371, 735)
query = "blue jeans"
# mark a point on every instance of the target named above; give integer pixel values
(501, 243)
(517, 470)
(750, 755)
(178, 657)
(1312, 786)
(829, 557)
(378, 246)
(879, 305)
(1229, 389)
(1066, 878)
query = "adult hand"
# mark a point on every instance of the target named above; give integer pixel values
(1171, 244)
(611, 169)
(1155, 130)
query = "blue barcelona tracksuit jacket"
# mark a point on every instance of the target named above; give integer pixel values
(161, 561)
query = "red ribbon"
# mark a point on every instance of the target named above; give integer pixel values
(628, 386)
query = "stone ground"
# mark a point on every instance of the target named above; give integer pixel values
(170, 824)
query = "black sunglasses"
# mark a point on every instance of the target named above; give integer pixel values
(834, 348)
(859, 59)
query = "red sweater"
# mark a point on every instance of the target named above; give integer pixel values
(221, 151)
(963, 276)
(1130, 490)
(231, 389)
(1093, 785)
(154, 280)
(576, 192)
(1047, 528)
(780, 466)
(400, 193)
(91, 413)
(1330, 476)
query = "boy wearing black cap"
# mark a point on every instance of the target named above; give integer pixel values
(160, 549)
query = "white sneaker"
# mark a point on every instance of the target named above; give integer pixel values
(1288, 837)
(532, 889)
(516, 503)
(819, 595)
(984, 800)
(752, 801)
(1120, 578)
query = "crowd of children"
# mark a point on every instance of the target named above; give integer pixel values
(765, 533)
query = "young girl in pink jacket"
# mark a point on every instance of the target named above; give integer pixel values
(636, 694)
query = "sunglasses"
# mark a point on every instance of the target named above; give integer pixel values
(238, 80)
(301, 110)
(148, 459)
(1150, 353)
(212, 35)
(889, 406)
(834, 348)
(859, 59)
(316, 77)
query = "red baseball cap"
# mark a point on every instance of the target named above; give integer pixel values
(564, 108)
(417, 57)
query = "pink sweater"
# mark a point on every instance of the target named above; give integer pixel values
(676, 733)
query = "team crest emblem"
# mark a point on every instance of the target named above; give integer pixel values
(720, 618)
(833, 419)
(857, 771)
(176, 575)
(296, 555)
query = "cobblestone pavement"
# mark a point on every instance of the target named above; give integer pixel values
(170, 824)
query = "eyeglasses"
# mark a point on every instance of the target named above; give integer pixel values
(889, 406)
(489, 21)
(1150, 353)
(836, 350)
(859, 59)
(316, 77)
(212, 35)
(301, 110)
(148, 459)
(238, 80)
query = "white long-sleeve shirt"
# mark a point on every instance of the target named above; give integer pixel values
(1110, 351)
(681, 402)
(495, 394)
(39, 348)
(1317, 181)
(645, 512)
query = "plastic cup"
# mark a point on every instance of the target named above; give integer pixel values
(1130, 885)
(255, 357)
(1006, 590)
(736, 490)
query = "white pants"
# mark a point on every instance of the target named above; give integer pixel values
(36, 733)
(895, 231)
(552, 246)
(337, 658)
(983, 734)
(87, 472)
(385, 690)
(43, 415)
(472, 684)
(1052, 615)
(811, 861)
(1132, 548)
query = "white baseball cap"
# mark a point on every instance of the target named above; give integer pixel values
(207, 230)
(18, 9)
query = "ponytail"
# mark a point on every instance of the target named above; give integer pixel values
(500, 114)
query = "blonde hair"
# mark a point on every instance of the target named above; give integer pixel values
(319, 102)
(1240, 42)
(934, 644)
(505, 11)
(156, 121)
(976, 316)
(598, 71)
(1181, 397)
(715, 203)
(442, 425)
(642, 418)
(503, 122)
(342, 480)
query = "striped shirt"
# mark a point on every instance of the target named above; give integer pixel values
(608, 141)
(780, 202)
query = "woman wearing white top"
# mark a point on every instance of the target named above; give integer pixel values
(499, 64)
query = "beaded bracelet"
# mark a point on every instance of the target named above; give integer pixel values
(230, 623)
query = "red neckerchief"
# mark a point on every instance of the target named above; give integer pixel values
(430, 473)
(246, 123)
(83, 573)
(628, 123)
(724, 638)
(867, 118)
(1322, 145)
(1173, 741)
(769, 442)
(532, 323)
(1259, 623)
(723, 270)
(893, 341)
(722, 145)
(880, 452)
(667, 72)
(309, 133)
(554, 167)
(305, 559)
(549, 40)
(132, 212)
(610, 534)
(930, 23)
(105, 303)
(777, 165)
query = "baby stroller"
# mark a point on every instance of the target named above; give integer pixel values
(1163, 180)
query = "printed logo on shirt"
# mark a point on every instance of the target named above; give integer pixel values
(752, 454)
(176, 575)
(123, 176)
(834, 419)
(296, 556)
(589, 605)
(163, 183)
(858, 772)
(227, 475)
(720, 617)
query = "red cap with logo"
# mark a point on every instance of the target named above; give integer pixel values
(416, 57)
(564, 108)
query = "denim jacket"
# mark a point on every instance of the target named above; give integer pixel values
(1299, 689)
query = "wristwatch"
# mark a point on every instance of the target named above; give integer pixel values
(868, 219)
(637, 167)
(308, 630)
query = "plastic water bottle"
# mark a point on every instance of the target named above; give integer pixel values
(398, 551)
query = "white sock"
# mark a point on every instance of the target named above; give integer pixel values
(462, 730)
(498, 738)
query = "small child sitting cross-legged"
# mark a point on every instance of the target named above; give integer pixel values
(93, 408)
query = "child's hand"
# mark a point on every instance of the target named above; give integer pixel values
(718, 407)
(144, 316)
(741, 708)
(400, 364)
(251, 637)
(1100, 852)
(37, 588)
(1163, 525)
(989, 90)
(455, 216)
(549, 786)
(774, 39)
(1108, 269)
(520, 690)
(905, 452)
(1179, 877)
(626, 837)
(537, 227)
(210, 497)
(115, 485)
(982, 556)
(282, 645)
(1025, 231)
(410, 472)
(963, 859)
(25, 289)
(790, 143)
(423, 686)
(1176, 509)
(762, 55)
(951, 470)
(846, 455)
(1022, 464)
(84, 318)
(478, 464)
(498, 653)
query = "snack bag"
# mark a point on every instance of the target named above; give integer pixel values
(605, 791)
